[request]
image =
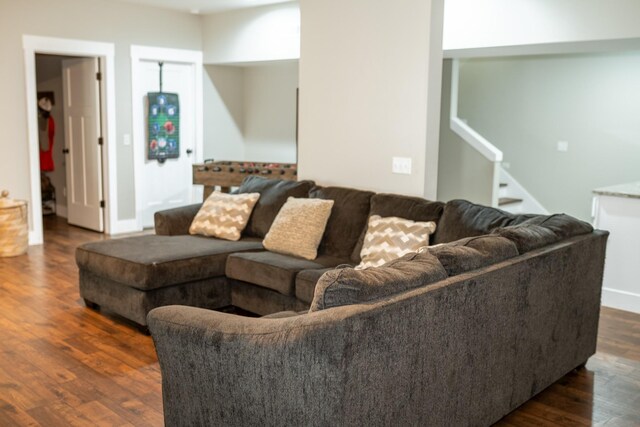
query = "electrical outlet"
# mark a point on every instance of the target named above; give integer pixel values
(126, 139)
(563, 146)
(401, 165)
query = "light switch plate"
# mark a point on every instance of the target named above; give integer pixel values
(401, 165)
(126, 139)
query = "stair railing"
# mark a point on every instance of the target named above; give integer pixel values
(471, 136)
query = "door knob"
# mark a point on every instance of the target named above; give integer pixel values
(189, 151)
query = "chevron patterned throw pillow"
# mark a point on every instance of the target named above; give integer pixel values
(392, 237)
(224, 215)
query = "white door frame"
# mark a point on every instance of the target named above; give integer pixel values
(58, 46)
(147, 53)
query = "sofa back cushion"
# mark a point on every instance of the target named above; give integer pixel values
(407, 207)
(462, 219)
(543, 230)
(473, 252)
(343, 286)
(273, 194)
(348, 219)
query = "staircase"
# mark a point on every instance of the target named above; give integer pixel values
(514, 198)
(506, 193)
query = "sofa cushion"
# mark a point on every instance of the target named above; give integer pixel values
(473, 253)
(273, 271)
(564, 226)
(224, 215)
(412, 208)
(306, 282)
(273, 194)
(392, 237)
(462, 219)
(343, 286)
(543, 230)
(176, 221)
(298, 228)
(527, 237)
(151, 262)
(348, 219)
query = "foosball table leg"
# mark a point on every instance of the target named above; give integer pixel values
(208, 189)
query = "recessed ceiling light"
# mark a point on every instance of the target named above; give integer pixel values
(195, 11)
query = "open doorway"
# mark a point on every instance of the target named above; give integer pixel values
(70, 138)
(95, 59)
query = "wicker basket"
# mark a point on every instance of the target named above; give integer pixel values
(14, 226)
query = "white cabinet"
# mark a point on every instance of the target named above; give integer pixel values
(617, 209)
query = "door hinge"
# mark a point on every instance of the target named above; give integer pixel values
(102, 204)
(99, 76)
(100, 140)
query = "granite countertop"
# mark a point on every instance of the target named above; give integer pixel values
(631, 189)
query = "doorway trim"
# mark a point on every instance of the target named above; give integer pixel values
(33, 45)
(182, 56)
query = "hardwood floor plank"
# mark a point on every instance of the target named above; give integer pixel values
(62, 364)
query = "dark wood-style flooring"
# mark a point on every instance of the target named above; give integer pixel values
(63, 364)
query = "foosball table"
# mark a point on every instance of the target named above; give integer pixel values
(227, 174)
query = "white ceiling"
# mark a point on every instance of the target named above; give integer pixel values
(204, 6)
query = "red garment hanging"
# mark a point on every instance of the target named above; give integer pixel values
(46, 156)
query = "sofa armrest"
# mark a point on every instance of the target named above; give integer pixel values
(172, 222)
(220, 368)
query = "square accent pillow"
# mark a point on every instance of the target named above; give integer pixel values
(224, 215)
(392, 237)
(298, 227)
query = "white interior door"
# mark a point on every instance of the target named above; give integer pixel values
(169, 184)
(81, 109)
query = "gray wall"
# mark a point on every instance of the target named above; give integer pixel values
(223, 112)
(463, 173)
(97, 20)
(270, 112)
(526, 105)
(250, 112)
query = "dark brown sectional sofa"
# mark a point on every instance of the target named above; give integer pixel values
(498, 308)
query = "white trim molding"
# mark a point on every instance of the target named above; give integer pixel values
(473, 138)
(621, 300)
(59, 46)
(183, 56)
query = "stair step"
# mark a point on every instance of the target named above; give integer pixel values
(508, 201)
(503, 184)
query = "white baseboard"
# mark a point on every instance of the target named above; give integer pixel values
(622, 300)
(34, 239)
(61, 210)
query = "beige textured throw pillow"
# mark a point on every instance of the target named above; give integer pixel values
(224, 215)
(298, 227)
(392, 237)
